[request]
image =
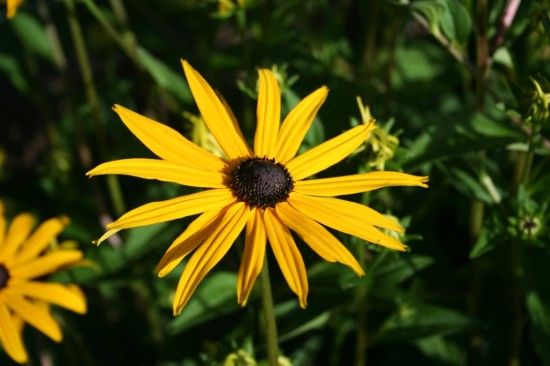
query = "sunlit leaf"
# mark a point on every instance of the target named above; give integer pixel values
(33, 35)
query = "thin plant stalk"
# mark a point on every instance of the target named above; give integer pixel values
(362, 340)
(270, 324)
(92, 96)
(477, 208)
(127, 44)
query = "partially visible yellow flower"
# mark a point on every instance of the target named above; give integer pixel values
(382, 143)
(24, 297)
(539, 109)
(226, 8)
(11, 7)
(239, 358)
(263, 191)
(202, 136)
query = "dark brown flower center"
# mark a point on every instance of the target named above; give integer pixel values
(260, 182)
(4, 276)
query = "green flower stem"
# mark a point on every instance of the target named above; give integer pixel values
(477, 208)
(269, 317)
(523, 163)
(113, 185)
(362, 340)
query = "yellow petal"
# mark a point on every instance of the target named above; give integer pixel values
(162, 170)
(328, 153)
(287, 255)
(351, 184)
(210, 253)
(2, 224)
(297, 123)
(37, 316)
(269, 114)
(215, 115)
(12, 7)
(10, 336)
(18, 231)
(348, 217)
(40, 239)
(253, 257)
(46, 264)
(352, 209)
(175, 208)
(106, 236)
(68, 296)
(317, 237)
(189, 240)
(167, 143)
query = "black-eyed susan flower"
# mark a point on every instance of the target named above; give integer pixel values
(263, 191)
(24, 295)
(11, 7)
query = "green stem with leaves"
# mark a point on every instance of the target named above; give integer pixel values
(270, 324)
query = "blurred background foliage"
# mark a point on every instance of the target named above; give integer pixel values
(460, 91)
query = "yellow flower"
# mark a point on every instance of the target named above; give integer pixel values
(381, 142)
(24, 298)
(11, 7)
(263, 190)
(201, 135)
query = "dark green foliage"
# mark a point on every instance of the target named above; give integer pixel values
(456, 88)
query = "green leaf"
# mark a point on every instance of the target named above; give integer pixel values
(389, 270)
(456, 22)
(142, 239)
(442, 350)
(432, 11)
(164, 76)
(483, 244)
(462, 133)
(492, 128)
(316, 323)
(214, 297)
(10, 67)
(32, 35)
(447, 16)
(538, 312)
(469, 185)
(415, 321)
(502, 56)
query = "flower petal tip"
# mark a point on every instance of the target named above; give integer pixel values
(64, 220)
(242, 302)
(424, 182)
(82, 310)
(57, 337)
(160, 272)
(186, 65)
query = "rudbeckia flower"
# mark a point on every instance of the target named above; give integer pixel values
(11, 7)
(263, 191)
(24, 295)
